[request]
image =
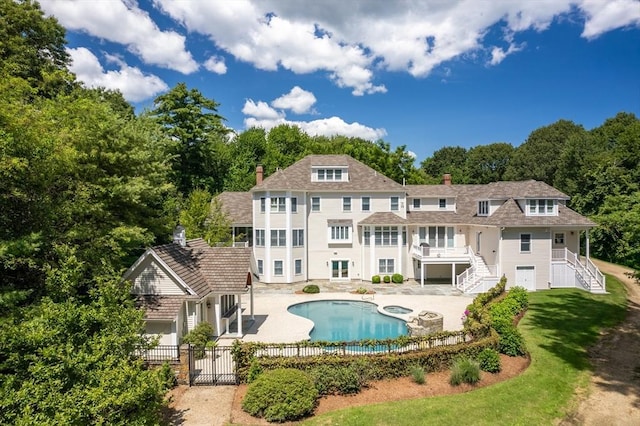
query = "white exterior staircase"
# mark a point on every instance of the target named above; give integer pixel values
(478, 277)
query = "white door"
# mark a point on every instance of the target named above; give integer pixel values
(526, 277)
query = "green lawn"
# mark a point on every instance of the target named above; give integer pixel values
(558, 327)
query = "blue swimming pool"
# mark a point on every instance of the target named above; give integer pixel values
(346, 321)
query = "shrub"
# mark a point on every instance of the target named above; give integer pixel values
(417, 373)
(200, 337)
(311, 289)
(511, 342)
(168, 376)
(375, 279)
(361, 290)
(254, 371)
(489, 361)
(465, 370)
(281, 395)
(336, 380)
(387, 279)
(397, 278)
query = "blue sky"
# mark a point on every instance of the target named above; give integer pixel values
(425, 74)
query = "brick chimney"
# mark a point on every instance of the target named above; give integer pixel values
(259, 174)
(446, 179)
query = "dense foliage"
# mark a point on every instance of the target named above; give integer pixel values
(281, 395)
(464, 370)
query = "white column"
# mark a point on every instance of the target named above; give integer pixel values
(400, 263)
(372, 252)
(453, 274)
(266, 265)
(239, 315)
(288, 262)
(218, 314)
(251, 301)
(587, 248)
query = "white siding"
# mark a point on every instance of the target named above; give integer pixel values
(539, 256)
(162, 329)
(153, 279)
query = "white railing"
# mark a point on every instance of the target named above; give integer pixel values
(474, 276)
(587, 274)
(427, 251)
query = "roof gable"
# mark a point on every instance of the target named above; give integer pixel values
(298, 177)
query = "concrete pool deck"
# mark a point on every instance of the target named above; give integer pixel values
(272, 322)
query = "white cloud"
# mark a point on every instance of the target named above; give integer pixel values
(603, 16)
(123, 22)
(349, 40)
(260, 114)
(134, 85)
(297, 100)
(498, 54)
(216, 64)
(261, 110)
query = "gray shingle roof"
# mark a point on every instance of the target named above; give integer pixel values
(298, 177)
(417, 191)
(237, 206)
(160, 307)
(521, 189)
(208, 269)
(383, 218)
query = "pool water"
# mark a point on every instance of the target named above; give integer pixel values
(346, 321)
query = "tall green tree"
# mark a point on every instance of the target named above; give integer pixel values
(488, 163)
(538, 157)
(32, 47)
(199, 153)
(248, 149)
(449, 159)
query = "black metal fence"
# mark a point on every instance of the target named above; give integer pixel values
(160, 354)
(212, 366)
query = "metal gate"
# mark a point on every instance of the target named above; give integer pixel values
(212, 366)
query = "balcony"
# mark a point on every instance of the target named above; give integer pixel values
(427, 254)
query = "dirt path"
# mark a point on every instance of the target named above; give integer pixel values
(614, 397)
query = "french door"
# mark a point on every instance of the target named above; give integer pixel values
(339, 269)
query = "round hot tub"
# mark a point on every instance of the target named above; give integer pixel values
(395, 309)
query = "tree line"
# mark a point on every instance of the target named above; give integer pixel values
(86, 184)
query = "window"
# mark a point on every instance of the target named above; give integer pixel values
(440, 236)
(442, 203)
(366, 204)
(416, 203)
(394, 204)
(259, 237)
(541, 207)
(483, 208)
(278, 269)
(558, 238)
(315, 204)
(298, 237)
(386, 266)
(294, 205)
(525, 243)
(329, 175)
(367, 236)
(277, 204)
(404, 237)
(278, 238)
(298, 266)
(340, 233)
(346, 204)
(260, 267)
(262, 204)
(386, 236)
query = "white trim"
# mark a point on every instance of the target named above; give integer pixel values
(339, 259)
(530, 243)
(164, 266)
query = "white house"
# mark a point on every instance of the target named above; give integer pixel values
(331, 217)
(187, 282)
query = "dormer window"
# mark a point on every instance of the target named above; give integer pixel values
(329, 174)
(416, 203)
(442, 203)
(483, 208)
(541, 207)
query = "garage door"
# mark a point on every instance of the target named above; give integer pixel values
(526, 277)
